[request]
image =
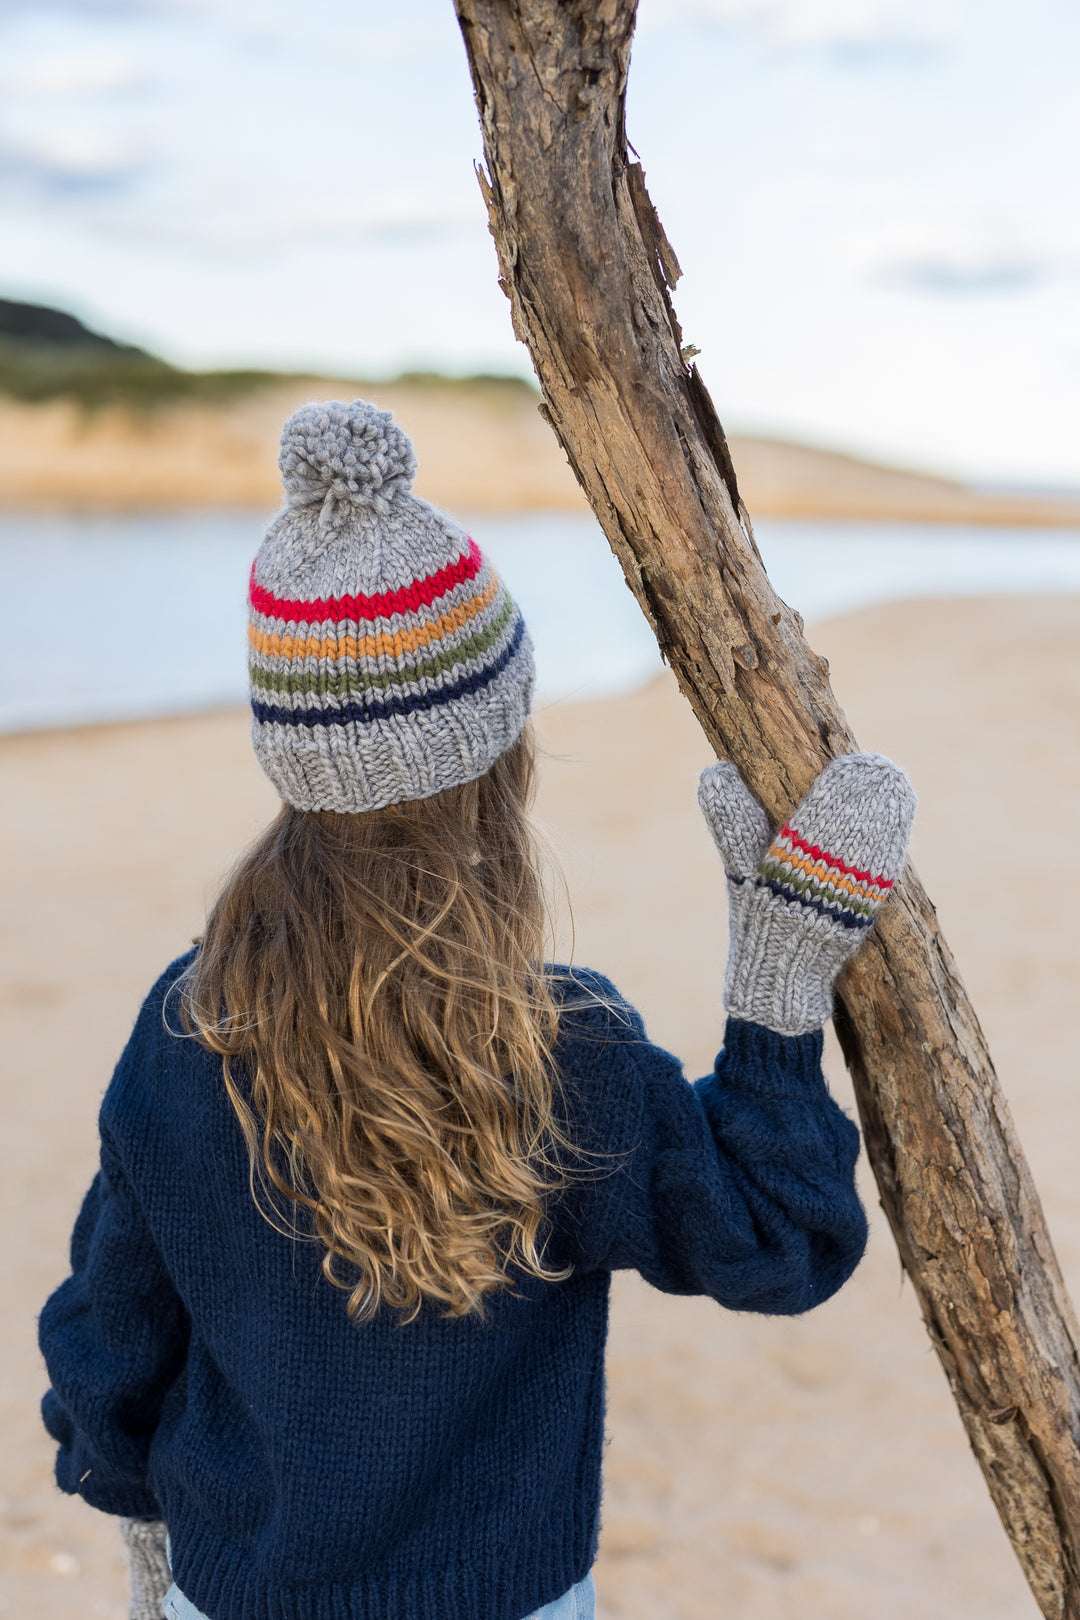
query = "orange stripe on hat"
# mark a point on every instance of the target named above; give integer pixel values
(403, 641)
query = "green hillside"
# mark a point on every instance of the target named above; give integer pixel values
(47, 354)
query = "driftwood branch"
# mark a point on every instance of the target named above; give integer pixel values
(588, 270)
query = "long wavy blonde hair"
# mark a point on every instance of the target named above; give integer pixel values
(374, 986)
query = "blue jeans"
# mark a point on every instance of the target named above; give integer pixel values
(577, 1604)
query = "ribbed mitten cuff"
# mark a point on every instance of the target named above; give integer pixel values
(781, 967)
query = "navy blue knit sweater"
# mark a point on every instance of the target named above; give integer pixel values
(310, 1468)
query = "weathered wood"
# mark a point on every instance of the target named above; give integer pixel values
(588, 270)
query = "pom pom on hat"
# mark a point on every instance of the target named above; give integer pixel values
(344, 457)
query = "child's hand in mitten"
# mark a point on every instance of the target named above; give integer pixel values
(802, 902)
(148, 1566)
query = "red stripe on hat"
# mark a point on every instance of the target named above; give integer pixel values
(421, 593)
(788, 831)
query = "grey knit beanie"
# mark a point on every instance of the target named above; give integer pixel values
(388, 661)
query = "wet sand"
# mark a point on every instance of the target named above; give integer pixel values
(758, 1470)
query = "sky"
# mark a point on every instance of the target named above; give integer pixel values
(874, 202)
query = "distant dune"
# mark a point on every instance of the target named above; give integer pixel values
(481, 446)
(779, 479)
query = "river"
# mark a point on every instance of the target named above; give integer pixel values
(114, 618)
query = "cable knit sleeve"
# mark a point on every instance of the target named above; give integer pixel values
(114, 1336)
(740, 1186)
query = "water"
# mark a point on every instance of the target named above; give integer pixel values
(118, 618)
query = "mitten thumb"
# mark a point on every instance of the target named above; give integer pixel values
(738, 824)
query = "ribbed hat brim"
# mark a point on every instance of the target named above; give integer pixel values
(352, 757)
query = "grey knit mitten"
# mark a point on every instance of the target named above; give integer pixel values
(801, 903)
(148, 1566)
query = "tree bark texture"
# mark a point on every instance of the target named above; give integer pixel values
(588, 270)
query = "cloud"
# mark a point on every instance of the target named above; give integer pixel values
(389, 217)
(11, 10)
(69, 74)
(959, 259)
(855, 31)
(66, 159)
(209, 226)
(966, 277)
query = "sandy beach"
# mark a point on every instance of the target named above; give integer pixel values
(758, 1470)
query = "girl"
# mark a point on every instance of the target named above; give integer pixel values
(338, 1298)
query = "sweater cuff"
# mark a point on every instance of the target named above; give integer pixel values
(760, 1060)
(82, 1471)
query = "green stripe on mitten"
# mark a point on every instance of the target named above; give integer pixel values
(801, 902)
